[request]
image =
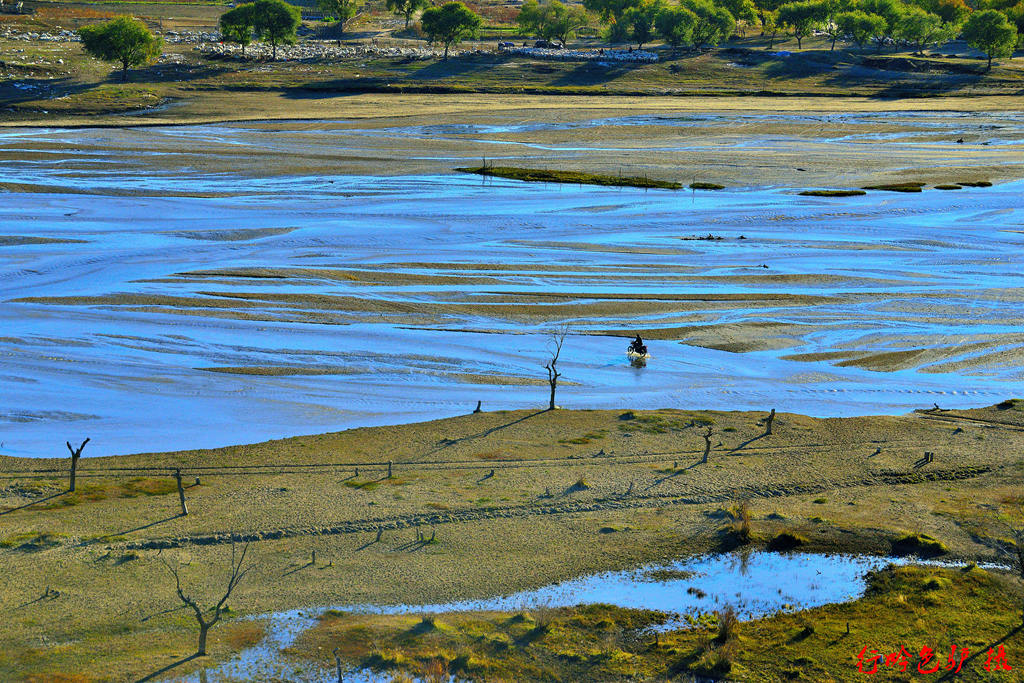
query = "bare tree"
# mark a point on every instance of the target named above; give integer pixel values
(76, 453)
(238, 571)
(555, 345)
(707, 444)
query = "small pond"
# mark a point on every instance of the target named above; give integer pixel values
(755, 584)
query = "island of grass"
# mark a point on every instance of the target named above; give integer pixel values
(576, 177)
(832, 193)
(897, 187)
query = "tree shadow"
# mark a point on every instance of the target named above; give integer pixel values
(35, 502)
(447, 443)
(169, 667)
(748, 442)
(145, 526)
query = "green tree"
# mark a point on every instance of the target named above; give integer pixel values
(920, 29)
(553, 20)
(236, 25)
(859, 26)
(953, 12)
(802, 18)
(713, 23)
(610, 12)
(675, 25)
(449, 24)
(770, 25)
(407, 8)
(640, 20)
(891, 11)
(275, 21)
(123, 39)
(991, 32)
(342, 11)
(743, 11)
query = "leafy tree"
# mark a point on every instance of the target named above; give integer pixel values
(343, 11)
(770, 26)
(859, 26)
(1013, 9)
(891, 11)
(275, 21)
(611, 12)
(743, 11)
(802, 18)
(713, 23)
(449, 24)
(407, 8)
(991, 32)
(236, 25)
(920, 29)
(123, 39)
(950, 11)
(553, 20)
(640, 20)
(765, 6)
(675, 25)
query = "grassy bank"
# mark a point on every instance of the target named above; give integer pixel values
(536, 175)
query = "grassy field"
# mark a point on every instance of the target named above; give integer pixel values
(88, 594)
(58, 79)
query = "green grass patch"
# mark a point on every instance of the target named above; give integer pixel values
(832, 193)
(922, 545)
(32, 541)
(786, 541)
(706, 186)
(362, 485)
(897, 187)
(574, 177)
(948, 187)
(976, 183)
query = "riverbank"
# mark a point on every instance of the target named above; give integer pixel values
(512, 500)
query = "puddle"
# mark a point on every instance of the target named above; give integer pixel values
(755, 584)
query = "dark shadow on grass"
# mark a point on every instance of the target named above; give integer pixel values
(748, 442)
(34, 502)
(145, 526)
(447, 443)
(169, 667)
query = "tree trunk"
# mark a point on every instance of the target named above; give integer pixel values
(74, 466)
(273, 49)
(990, 62)
(124, 73)
(834, 43)
(446, 54)
(799, 43)
(181, 493)
(407, 16)
(551, 403)
(204, 628)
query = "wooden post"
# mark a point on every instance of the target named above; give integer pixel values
(181, 493)
(337, 663)
(380, 532)
(478, 410)
(768, 423)
(75, 455)
(389, 469)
